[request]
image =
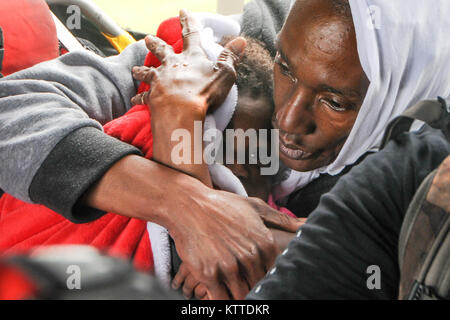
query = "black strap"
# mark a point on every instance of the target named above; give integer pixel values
(436, 113)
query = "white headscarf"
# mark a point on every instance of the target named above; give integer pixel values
(404, 49)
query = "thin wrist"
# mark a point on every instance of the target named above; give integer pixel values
(139, 188)
(176, 110)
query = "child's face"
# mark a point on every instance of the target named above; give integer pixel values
(253, 113)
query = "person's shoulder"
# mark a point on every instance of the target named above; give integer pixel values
(424, 139)
(421, 150)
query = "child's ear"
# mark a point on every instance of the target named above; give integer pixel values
(239, 170)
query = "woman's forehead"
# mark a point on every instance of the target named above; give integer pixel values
(325, 31)
(320, 48)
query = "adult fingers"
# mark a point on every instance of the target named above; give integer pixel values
(231, 273)
(225, 76)
(217, 290)
(232, 52)
(144, 74)
(250, 262)
(275, 219)
(158, 47)
(140, 98)
(201, 292)
(189, 285)
(190, 31)
(227, 62)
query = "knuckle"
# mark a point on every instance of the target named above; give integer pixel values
(210, 273)
(230, 268)
(257, 204)
(227, 68)
(245, 258)
(269, 243)
(256, 201)
(253, 249)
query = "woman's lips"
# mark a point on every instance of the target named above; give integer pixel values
(293, 152)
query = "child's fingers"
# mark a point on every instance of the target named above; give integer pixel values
(180, 277)
(189, 285)
(201, 292)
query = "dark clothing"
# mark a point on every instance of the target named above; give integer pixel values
(303, 201)
(357, 225)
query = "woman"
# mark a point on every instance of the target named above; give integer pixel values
(391, 42)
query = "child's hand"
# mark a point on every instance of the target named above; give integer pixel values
(191, 287)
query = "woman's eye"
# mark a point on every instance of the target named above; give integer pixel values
(336, 106)
(284, 68)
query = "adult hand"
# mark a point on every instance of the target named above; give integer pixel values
(188, 81)
(192, 287)
(221, 237)
(226, 245)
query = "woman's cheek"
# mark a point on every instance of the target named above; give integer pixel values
(337, 124)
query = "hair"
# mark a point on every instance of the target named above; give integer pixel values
(340, 8)
(255, 69)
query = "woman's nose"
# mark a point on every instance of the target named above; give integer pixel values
(296, 115)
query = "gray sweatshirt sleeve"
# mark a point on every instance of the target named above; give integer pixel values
(52, 147)
(263, 19)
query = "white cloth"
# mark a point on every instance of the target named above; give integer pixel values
(404, 49)
(214, 27)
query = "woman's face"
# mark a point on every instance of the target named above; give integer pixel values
(319, 85)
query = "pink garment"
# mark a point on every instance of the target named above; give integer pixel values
(272, 204)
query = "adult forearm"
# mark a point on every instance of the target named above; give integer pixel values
(143, 189)
(172, 132)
